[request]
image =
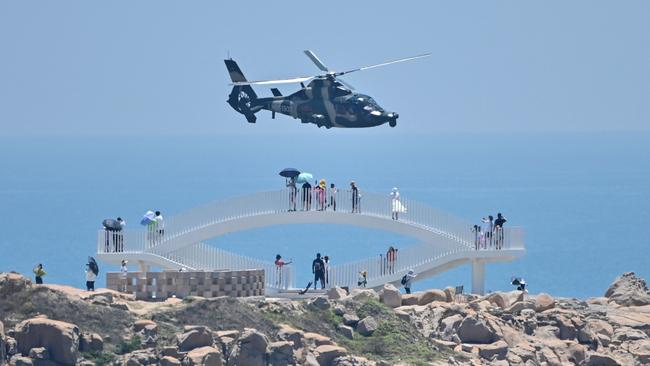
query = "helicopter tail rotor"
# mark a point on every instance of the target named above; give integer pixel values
(242, 97)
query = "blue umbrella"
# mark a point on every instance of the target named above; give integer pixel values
(304, 177)
(148, 218)
(289, 172)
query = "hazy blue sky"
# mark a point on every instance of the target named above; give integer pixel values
(155, 67)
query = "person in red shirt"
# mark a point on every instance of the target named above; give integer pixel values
(279, 263)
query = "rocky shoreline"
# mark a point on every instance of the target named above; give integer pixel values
(59, 325)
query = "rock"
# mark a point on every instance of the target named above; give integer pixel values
(514, 296)
(498, 349)
(204, 356)
(11, 346)
(431, 296)
(404, 316)
(450, 292)
(629, 290)
(326, 354)
(169, 361)
(543, 302)
(449, 325)
(288, 333)
(317, 339)
(39, 353)
(640, 350)
(144, 325)
(599, 359)
(566, 326)
(362, 295)
(171, 351)
(106, 296)
(60, 338)
(12, 283)
(473, 330)
(281, 354)
(528, 314)
(339, 310)
(576, 354)
(390, 296)
(195, 337)
(336, 293)
(367, 326)
(3, 344)
(517, 307)
(596, 330)
(141, 357)
(499, 299)
(347, 331)
(410, 299)
(250, 350)
(350, 319)
(320, 303)
(625, 334)
(120, 306)
(91, 342)
(21, 361)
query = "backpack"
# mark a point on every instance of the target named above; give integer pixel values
(404, 280)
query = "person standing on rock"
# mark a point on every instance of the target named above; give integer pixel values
(407, 280)
(318, 269)
(39, 273)
(326, 262)
(90, 278)
(124, 272)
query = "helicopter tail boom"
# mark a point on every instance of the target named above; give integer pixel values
(242, 98)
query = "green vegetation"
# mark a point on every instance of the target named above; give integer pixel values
(394, 340)
(128, 346)
(99, 358)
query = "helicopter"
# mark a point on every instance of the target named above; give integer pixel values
(326, 101)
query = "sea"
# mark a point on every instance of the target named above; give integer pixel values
(582, 198)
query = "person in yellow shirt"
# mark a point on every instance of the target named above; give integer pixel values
(39, 272)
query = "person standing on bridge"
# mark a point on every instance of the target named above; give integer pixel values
(160, 226)
(291, 185)
(318, 269)
(333, 192)
(396, 204)
(355, 197)
(306, 196)
(279, 266)
(498, 227)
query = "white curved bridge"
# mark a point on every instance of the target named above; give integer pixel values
(444, 241)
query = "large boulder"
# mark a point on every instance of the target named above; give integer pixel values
(629, 290)
(498, 350)
(347, 331)
(60, 338)
(350, 319)
(204, 356)
(499, 299)
(91, 342)
(410, 299)
(291, 334)
(281, 354)
(390, 296)
(169, 361)
(194, 337)
(336, 293)
(596, 330)
(326, 354)
(21, 361)
(431, 296)
(11, 283)
(362, 295)
(367, 326)
(449, 325)
(251, 349)
(544, 302)
(3, 347)
(320, 303)
(473, 330)
(450, 292)
(600, 359)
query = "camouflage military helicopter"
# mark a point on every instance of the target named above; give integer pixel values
(326, 101)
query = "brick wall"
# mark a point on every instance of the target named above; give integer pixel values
(162, 285)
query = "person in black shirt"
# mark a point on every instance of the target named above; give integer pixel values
(318, 269)
(498, 226)
(306, 196)
(355, 197)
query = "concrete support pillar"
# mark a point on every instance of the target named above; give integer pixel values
(144, 268)
(478, 277)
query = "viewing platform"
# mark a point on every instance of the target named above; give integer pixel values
(444, 241)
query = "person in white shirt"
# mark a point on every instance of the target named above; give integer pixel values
(160, 225)
(90, 279)
(487, 229)
(124, 271)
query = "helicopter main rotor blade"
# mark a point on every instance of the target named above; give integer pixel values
(384, 64)
(314, 59)
(276, 81)
(347, 85)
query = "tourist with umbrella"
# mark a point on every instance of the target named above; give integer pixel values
(290, 174)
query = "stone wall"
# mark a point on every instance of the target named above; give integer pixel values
(162, 285)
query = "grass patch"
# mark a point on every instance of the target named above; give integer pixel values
(99, 358)
(128, 346)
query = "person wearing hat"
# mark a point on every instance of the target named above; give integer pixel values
(407, 280)
(124, 271)
(355, 197)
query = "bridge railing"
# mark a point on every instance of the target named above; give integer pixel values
(202, 256)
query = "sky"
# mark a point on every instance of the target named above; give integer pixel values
(79, 68)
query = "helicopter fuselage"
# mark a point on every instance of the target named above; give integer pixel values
(328, 103)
